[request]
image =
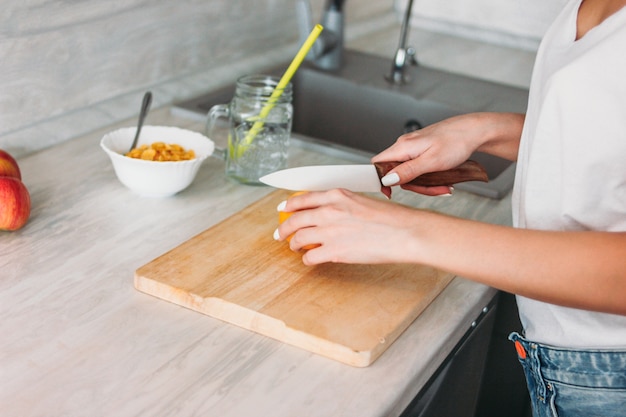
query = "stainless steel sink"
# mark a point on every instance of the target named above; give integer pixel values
(357, 109)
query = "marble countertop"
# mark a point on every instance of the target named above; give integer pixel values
(79, 340)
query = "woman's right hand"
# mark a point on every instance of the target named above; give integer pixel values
(447, 144)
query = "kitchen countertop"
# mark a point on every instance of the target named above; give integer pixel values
(79, 340)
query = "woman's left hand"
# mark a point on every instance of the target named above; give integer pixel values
(348, 227)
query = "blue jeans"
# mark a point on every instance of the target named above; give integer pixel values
(567, 382)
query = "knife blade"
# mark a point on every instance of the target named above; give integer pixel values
(365, 177)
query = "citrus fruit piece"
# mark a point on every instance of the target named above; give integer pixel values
(284, 215)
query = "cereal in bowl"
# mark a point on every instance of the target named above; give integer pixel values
(161, 151)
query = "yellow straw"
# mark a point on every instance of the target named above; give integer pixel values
(291, 70)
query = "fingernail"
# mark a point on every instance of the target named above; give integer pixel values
(390, 179)
(276, 235)
(450, 189)
(281, 206)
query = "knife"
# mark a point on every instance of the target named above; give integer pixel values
(365, 178)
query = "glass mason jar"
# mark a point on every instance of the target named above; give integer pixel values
(259, 128)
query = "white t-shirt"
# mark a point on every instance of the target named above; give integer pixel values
(571, 171)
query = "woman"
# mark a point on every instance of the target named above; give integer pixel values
(566, 256)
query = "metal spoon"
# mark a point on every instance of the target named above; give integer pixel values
(145, 107)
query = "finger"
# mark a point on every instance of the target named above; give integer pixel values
(303, 220)
(310, 258)
(298, 220)
(315, 256)
(304, 209)
(407, 171)
(306, 200)
(323, 254)
(304, 240)
(386, 191)
(300, 200)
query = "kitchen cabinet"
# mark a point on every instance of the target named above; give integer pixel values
(481, 377)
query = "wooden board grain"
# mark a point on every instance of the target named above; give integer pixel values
(236, 272)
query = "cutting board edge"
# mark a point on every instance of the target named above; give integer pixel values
(262, 324)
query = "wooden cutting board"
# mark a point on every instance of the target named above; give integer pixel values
(235, 272)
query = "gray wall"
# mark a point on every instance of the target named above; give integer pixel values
(519, 24)
(70, 66)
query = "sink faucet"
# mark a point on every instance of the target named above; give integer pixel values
(404, 54)
(327, 52)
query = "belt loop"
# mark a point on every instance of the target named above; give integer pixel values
(533, 354)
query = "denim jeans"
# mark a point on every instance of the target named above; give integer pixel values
(568, 382)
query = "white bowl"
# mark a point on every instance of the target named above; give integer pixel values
(154, 178)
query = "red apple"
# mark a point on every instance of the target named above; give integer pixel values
(14, 204)
(8, 166)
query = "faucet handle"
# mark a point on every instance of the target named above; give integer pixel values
(411, 56)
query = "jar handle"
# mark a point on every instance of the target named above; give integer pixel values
(215, 113)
